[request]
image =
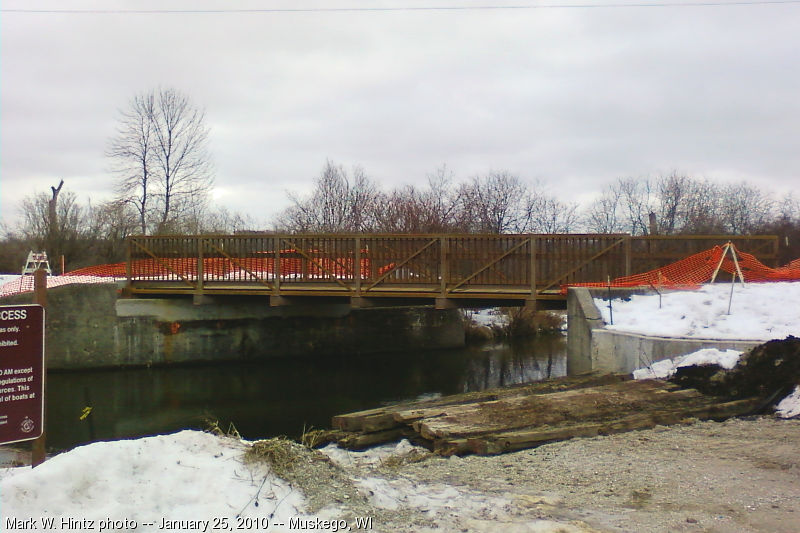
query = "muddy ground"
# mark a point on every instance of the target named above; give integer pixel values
(741, 475)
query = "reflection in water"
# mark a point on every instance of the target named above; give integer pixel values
(519, 362)
(280, 396)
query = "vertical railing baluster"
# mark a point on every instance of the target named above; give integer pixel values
(443, 266)
(276, 265)
(200, 266)
(357, 265)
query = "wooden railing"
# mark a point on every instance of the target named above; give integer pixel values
(523, 267)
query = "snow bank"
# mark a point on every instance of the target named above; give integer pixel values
(372, 457)
(789, 406)
(665, 368)
(759, 311)
(194, 481)
(491, 317)
(188, 475)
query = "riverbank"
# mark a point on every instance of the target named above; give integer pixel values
(740, 475)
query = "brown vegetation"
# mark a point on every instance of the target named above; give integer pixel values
(514, 322)
(345, 201)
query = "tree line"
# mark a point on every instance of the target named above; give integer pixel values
(501, 202)
(348, 201)
(163, 175)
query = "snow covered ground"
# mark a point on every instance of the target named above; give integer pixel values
(188, 475)
(790, 406)
(195, 481)
(489, 317)
(666, 368)
(758, 311)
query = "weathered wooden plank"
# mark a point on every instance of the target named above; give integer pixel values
(358, 441)
(527, 438)
(382, 418)
(596, 403)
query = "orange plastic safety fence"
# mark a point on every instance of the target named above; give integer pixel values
(699, 268)
(224, 268)
(113, 270)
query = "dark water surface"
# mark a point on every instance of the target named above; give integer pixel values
(279, 396)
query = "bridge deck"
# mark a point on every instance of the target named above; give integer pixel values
(446, 269)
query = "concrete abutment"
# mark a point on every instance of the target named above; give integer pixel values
(592, 347)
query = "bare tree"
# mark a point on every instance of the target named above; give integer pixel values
(132, 152)
(745, 209)
(434, 209)
(496, 202)
(339, 203)
(624, 206)
(54, 223)
(672, 192)
(788, 209)
(441, 203)
(161, 159)
(603, 215)
(221, 220)
(548, 214)
(700, 210)
(106, 227)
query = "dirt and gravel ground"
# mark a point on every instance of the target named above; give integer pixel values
(742, 475)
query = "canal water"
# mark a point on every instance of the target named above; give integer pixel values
(281, 396)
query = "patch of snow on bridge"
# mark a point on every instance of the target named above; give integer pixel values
(19, 284)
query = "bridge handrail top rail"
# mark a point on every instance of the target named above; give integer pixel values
(394, 235)
(721, 237)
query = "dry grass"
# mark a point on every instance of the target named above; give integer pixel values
(280, 453)
(519, 322)
(212, 426)
(524, 322)
(314, 438)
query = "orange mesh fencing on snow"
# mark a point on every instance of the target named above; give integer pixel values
(699, 268)
(217, 268)
(112, 270)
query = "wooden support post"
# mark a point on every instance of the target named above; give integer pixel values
(277, 301)
(443, 270)
(359, 302)
(628, 256)
(129, 267)
(357, 266)
(445, 303)
(276, 266)
(721, 259)
(530, 301)
(38, 449)
(198, 293)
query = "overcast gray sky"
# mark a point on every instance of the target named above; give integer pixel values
(573, 96)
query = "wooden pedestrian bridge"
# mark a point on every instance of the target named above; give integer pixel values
(377, 269)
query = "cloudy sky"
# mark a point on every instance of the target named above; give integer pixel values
(574, 93)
